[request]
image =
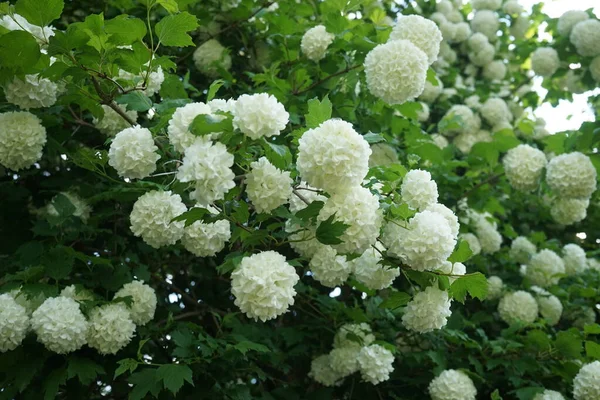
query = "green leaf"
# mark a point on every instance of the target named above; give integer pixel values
(402, 211)
(505, 140)
(568, 344)
(18, 49)
(170, 5)
(372, 138)
(432, 77)
(174, 375)
(213, 89)
(192, 215)
(318, 112)
(84, 368)
(461, 253)
(475, 284)
(125, 30)
(171, 30)
(311, 211)
(278, 154)
(528, 393)
(592, 350)
(538, 339)
(329, 231)
(136, 101)
(127, 364)
(173, 88)
(144, 381)
(204, 124)
(39, 12)
(593, 329)
(58, 263)
(395, 300)
(52, 383)
(245, 346)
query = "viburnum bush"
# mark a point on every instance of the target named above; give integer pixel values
(247, 199)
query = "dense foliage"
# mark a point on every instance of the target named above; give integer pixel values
(246, 199)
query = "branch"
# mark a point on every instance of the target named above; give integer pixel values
(301, 197)
(120, 111)
(480, 184)
(317, 83)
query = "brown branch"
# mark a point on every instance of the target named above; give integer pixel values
(78, 119)
(120, 111)
(182, 316)
(301, 197)
(317, 83)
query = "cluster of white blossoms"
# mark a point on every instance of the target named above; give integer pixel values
(111, 122)
(22, 139)
(133, 153)
(428, 310)
(585, 36)
(571, 175)
(77, 293)
(152, 215)
(521, 250)
(178, 130)
(81, 208)
(495, 112)
(14, 323)
(545, 61)
(549, 306)
(574, 259)
(315, 42)
(487, 23)
(329, 268)
(459, 119)
(549, 395)
(518, 306)
(524, 166)
(486, 4)
(32, 91)
(452, 385)
(376, 363)
(569, 19)
(263, 285)
(418, 190)
(473, 242)
(210, 57)
(543, 268)
(259, 115)
(569, 211)
(421, 32)
(495, 70)
(482, 51)
(267, 187)
(110, 328)
(486, 231)
(143, 303)
(154, 79)
(368, 270)
(495, 287)
(586, 385)
(206, 239)
(431, 91)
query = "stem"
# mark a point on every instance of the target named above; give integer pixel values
(301, 197)
(317, 83)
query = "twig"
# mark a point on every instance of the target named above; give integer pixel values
(182, 316)
(480, 184)
(301, 197)
(79, 120)
(317, 83)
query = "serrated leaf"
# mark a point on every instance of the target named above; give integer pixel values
(144, 382)
(18, 49)
(432, 77)
(127, 364)
(136, 101)
(245, 346)
(172, 29)
(125, 30)
(39, 12)
(395, 300)
(592, 350)
(329, 231)
(461, 253)
(318, 112)
(53, 381)
(192, 215)
(311, 211)
(568, 344)
(58, 263)
(170, 5)
(372, 138)
(402, 211)
(475, 284)
(213, 89)
(84, 369)
(593, 329)
(205, 124)
(278, 154)
(174, 375)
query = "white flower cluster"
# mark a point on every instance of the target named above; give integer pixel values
(376, 363)
(259, 115)
(32, 91)
(486, 22)
(431, 92)
(418, 190)
(329, 268)
(520, 26)
(574, 259)
(545, 61)
(22, 139)
(110, 328)
(495, 287)
(586, 385)
(518, 306)
(178, 130)
(315, 42)
(595, 69)
(461, 119)
(322, 372)
(60, 325)
(486, 4)
(428, 310)
(473, 242)
(14, 323)
(210, 57)
(549, 305)
(524, 166)
(267, 187)
(111, 122)
(421, 32)
(81, 211)
(543, 268)
(487, 232)
(569, 211)
(143, 303)
(572, 175)
(495, 71)
(206, 239)
(133, 153)
(482, 51)
(512, 7)
(368, 270)
(263, 285)
(549, 395)
(495, 111)
(585, 36)
(521, 250)
(382, 154)
(569, 19)
(153, 81)
(465, 141)
(77, 293)
(452, 385)
(151, 218)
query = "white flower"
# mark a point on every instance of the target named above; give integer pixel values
(329, 268)
(263, 285)
(512, 7)
(418, 189)
(451, 218)
(585, 36)
(524, 166)
(112, 123)
(586, 385)
(206, 239)
(545, 61)
(428, 310)
(495, 287)
(179, 133)
(260, 115)
(472, 241)
(569, 211)
(569, 19)
(462, 33)
(308, 193)
(549, 395)
(41, 34)
(487, 233)
(440, 141)
(520, 26)
(456, 269)
(477, 41)
(574, 259)
(382, 154)
(495, 71)
(452, 385)
(396, 71)
(358, 208)
(77, 293)
(571, 175)
(486, 4)
(483, 56)
(521, 250)
(222, 105)
(153, 84)
(133, 153)
(445, 7)
(267, 187)
(22, 139)
(143, 303)
(448, 31)
(315, 42)
(421, 32)
(111, 328)
(593, 263)
(60, 325)
(151, 218)
(518, 306)
(486, 22)
(210, 57)
(32, 92)
(14, 323)
(495, 111)
(333, 156)
(376, 363)
(460, 119)
(303, 241)
(360, 335)
(465, 141)
(543, 267)
(344, 360)
(208, 165)
(549, 305)
(431, 91)
(373, 275)
(81, 208)
(322, 372)
(595, 69)
(573, 82)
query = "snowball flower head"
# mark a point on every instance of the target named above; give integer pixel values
(451, 218)
(460, 119)
(112, 123)
(308, 193)
(60, 325)
(376, 363)
(569, 19)
(178, 130)
(495, 111)
(32, 91)
(473, 242)
(452, 385)
(586, 385)
(155, 79)
(512, 7)
(151, 218)
(329, 268)
(382, 154)
(524, 166)
(486, 22)
(333, 156)
(260, 115)
(549, 395)
(22, 139)
(206, 239)
(208, 165)
(495, 287)
(463, 31)
(518, 306)
(143, 303)
(263, 285)
(267, 187)
(488, 235)
(418, 189)
(431, 91)
(585, 36)
(486, 4)
(210, 57)
(574, 259)
(569, 211)
(550, 307)
(521, 250)
(14, 323)
(111, 328)
(545, 61)
(440, 141)
(572, 175)
(344, 360)
(428, 310)
(322, 372)
(360, 335)
(315, 42)
(358, 208)
(369, 272)
(494, 71)
(396, 71)
(133, 153)
(543, 267)
(77, 293)
(595, 69)
(520, 26)
(483, 56)
(421, 32)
